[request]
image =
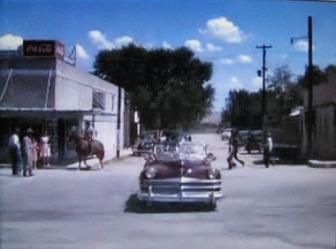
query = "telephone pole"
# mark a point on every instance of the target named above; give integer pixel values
(263, 71)
(310, 86)
(118, 121)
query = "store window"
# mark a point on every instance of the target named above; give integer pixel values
(98, 100)
(112, 103)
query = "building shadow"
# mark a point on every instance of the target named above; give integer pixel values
(133, 205)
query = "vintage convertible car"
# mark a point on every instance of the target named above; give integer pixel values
(180, 173)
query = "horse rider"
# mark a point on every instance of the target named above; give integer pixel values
(89, 137)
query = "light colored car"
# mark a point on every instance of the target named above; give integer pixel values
(226, 134)
(180, 173)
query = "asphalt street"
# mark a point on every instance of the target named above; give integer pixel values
(284, 206)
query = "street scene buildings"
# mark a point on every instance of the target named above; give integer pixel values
(167, 124)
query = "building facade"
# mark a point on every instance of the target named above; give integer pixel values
(47, 93)
(324, 113)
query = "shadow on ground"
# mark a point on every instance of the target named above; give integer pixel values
(133, 205)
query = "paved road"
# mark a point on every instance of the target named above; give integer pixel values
(280, 207)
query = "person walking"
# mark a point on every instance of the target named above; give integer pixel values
(15, 152)
(27, 153)
(268, 148)
(233, 151)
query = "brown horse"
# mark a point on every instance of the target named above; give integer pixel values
(82, 149)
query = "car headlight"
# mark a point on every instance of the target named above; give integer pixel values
(189, 171)
(212, 174)
(150, 172)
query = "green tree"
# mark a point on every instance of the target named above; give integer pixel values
(243, 108)
(319, 76)
(168, 87)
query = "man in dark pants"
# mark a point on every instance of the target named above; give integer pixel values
(15, 152)
(233, 151)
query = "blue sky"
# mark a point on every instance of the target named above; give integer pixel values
(223, 32)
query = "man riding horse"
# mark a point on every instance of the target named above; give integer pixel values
(86, 145)
(88, 136)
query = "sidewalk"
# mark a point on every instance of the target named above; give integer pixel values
(321, 164)
(94, 162)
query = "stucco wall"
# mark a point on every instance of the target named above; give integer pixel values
(324, 144)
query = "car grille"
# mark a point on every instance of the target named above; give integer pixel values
(177, 187)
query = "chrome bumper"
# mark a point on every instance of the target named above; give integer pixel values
(182, 190)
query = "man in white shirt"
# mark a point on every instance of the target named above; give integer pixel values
(268, 149)
(15, 152)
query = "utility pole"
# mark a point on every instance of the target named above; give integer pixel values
(309, 120)
(118, 121)
(310, 85)
(263, 71)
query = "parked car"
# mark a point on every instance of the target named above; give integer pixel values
(254, 141)
(144, 144)
(226, 134)
(180, 173)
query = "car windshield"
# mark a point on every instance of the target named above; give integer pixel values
(179, 151)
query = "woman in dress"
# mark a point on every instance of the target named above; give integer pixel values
(44, 149)
(35, 153)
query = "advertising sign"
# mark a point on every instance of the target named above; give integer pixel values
(43, 48)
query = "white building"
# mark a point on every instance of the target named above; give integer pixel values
(324, 108)
(39, 89)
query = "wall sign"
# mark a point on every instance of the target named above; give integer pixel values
(43, 48)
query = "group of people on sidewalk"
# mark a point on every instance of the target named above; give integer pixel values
(234, 147)
(26, 152)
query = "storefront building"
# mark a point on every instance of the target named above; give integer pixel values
(41, 89)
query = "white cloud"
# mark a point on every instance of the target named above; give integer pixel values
(213, 48)
(224, 29)
(227, 61)
(301, 45)
(194, 45)
(242, 58)
(245, 59)
(81, 53)
(100, 40)
(10, 42)
(257, 82)
(148, 45)
(234, 83)
(166, 45)
(124, 41)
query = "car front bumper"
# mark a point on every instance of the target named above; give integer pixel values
(180, 190)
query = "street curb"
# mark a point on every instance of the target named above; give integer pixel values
(322, 164)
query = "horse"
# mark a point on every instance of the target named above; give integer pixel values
(82, 149)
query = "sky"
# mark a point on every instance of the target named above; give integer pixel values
(223, 32)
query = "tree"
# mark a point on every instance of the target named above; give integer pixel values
(319, 76)
(243, 108)
(168, 87)
(284, 93)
